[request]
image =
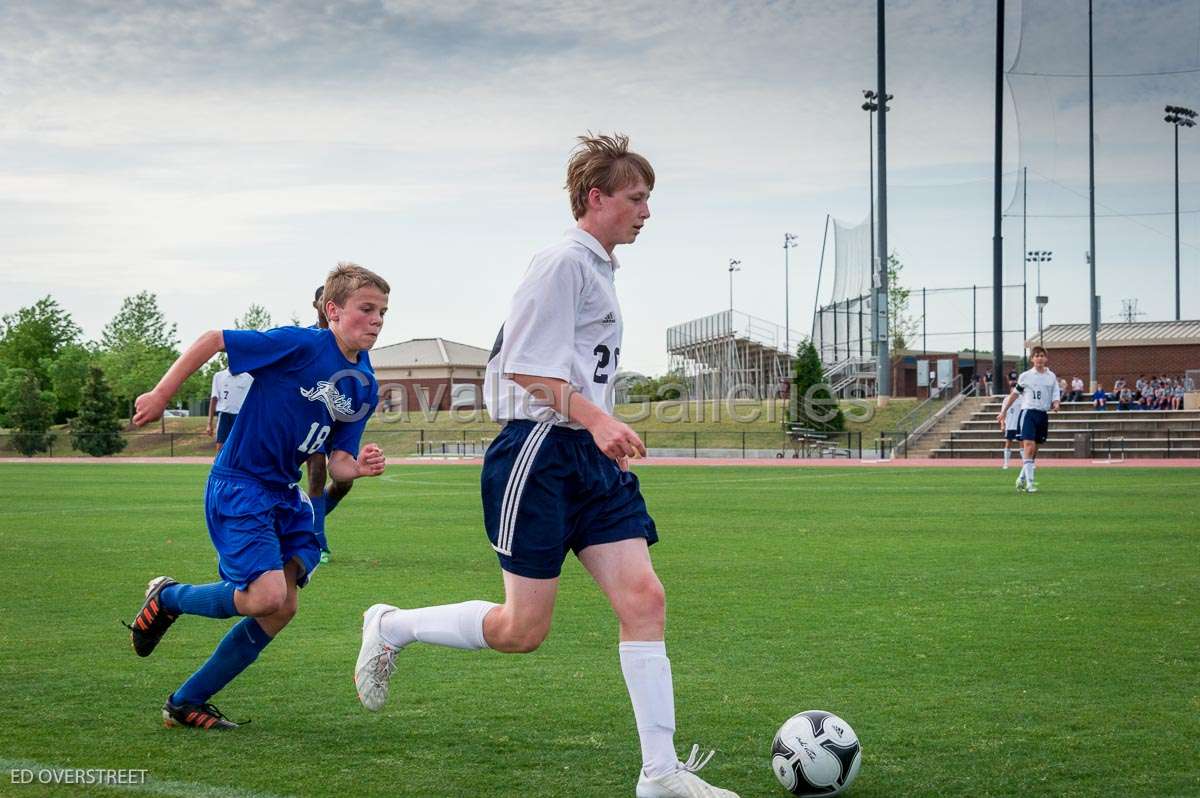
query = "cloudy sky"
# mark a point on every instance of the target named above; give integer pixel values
(226, 153)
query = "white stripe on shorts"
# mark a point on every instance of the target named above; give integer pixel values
(516, 486)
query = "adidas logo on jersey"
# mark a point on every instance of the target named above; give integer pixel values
(611, 318)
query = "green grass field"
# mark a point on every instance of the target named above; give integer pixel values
(981, 643)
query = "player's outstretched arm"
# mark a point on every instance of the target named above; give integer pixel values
(150, 405)
(613, 437)
(369, 463)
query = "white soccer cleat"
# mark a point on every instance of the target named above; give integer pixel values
(683, 783)
(1031, 488)
(1021, 481)
(376, 660)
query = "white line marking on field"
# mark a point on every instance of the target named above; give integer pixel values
(151, 786)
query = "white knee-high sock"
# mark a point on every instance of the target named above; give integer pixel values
(1027, 469)
(648, 678)
(1007, 456)
(453, 625)
(1032, 468)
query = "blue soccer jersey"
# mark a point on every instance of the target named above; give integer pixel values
(306, 398)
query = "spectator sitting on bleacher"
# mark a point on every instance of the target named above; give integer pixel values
(1177, 396)
(1076, 389)
(1099, 398)
(1125, 399)
(1062, 389)
(1147, 400)
(1118, 385)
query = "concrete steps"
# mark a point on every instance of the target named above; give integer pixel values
(966, 410)
(1076, 430)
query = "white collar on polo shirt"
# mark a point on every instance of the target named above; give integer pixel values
(589, 241)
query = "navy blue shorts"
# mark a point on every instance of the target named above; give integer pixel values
(224, 425)
(257, 528)
(1035, 425)
(548, 490)
(1012, 434)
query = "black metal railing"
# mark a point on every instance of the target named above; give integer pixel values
(423, 442)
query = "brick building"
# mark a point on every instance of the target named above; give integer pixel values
(1153, 348)
(914, 373)
(429, 374)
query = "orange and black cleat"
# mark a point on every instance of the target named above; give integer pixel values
(152, 620)
(199, 716)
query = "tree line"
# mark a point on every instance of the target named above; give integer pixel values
(50, 375)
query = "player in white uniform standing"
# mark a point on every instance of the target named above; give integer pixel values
(228, 393)
(1011, 426)
(1039, 392)
(556, 478)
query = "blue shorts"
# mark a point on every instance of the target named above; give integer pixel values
(1012, 434)
(548, 490)
(1035, 425)
(257, 528)
(224, 425)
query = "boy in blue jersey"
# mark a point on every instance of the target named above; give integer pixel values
(323, 501)
(313, 390)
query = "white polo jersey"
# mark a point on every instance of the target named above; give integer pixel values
(230, 390)
(1038, 391)
(1012, 417)
(565, 323)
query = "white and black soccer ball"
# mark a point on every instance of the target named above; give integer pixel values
(815, 753)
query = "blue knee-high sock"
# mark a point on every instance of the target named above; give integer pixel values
(319, 511)
(241, 646)
(214, 600)
(332, 501)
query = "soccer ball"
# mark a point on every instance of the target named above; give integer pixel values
(815, 753)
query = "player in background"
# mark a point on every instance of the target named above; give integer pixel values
(1011, 427)
(324, 501)
(1039, 392)
(312, 389)
(556, 478)
(228, 393)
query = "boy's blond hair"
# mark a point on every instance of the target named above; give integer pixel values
(603, 162)
(346, 278)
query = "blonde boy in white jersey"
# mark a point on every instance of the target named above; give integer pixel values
(1040, 393)
(556, 479)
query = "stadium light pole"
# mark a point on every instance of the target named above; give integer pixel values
(1093, 320)
(884, 362)
(1024, 269)
(1039, 256)
(997, 236)
(734, 266)
(789, 242)
(1178, 116)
